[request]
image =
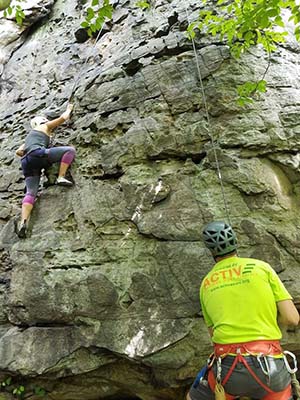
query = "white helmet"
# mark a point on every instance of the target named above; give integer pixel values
(36, 121)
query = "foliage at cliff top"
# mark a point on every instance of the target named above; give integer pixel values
(239, 23)
(245, 23)
(96, 15)
(10, 10)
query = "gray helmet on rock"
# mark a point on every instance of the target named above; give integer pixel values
(220, 238)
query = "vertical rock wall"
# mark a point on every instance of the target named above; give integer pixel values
(101, 300)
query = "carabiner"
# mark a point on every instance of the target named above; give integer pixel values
(219, 370)
(265, 369)
(288, 367)
(210, 360)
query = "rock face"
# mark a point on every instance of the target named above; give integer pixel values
(101, 300)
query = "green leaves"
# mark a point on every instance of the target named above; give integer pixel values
(297, 33)
(6, 382)
(142, 4)
(19, 15)
(39, 391)
(15, 11)
(191, 30)
(242, 24)
(248, 90)
(247, 22)
(4, 4)
(19, 391)
(96, 15)
(238, 20)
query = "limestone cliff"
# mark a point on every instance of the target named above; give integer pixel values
(101, 300)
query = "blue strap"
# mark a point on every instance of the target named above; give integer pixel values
(200, 375)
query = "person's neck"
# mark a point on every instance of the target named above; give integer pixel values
(220, 258)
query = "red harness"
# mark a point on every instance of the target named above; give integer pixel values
(265, 347)
(240, 350)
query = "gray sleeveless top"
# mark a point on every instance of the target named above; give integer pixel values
(36, 140)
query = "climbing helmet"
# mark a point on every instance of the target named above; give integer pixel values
(220, 238)
(36, 121)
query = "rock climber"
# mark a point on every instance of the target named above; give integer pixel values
(242, 299)
(37, 155)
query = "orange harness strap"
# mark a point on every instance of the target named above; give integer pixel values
(240, 358)
(265, 347)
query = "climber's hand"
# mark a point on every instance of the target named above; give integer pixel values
(20, 151)
(67, 114)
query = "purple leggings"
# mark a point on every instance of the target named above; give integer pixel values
(34, 163)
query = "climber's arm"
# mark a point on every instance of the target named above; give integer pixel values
(287, 313)
(50, 125)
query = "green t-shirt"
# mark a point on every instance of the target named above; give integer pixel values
(238, 298)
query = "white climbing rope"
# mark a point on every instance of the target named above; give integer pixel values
(86, 60)
(213, 143)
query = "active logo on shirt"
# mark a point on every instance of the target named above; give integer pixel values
(228, 276)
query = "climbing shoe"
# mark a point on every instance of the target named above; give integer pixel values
(22, 230)
(62, 181)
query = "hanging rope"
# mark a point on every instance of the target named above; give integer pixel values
(87, 58)
(78, 77)
(213, 145)
(296, 386)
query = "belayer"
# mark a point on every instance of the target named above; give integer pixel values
(37, 155)
(242, 299)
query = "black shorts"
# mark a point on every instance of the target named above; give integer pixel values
(34, 162)
(241, 383)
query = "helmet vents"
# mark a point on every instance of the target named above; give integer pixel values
(220, 238)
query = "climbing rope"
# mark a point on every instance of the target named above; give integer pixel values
(296, 386)
(213, 143)
(52, 138)
(79, 74)
(86, 60)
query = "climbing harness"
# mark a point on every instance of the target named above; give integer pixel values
(261, 350)
(213, 143)
(241, 358)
